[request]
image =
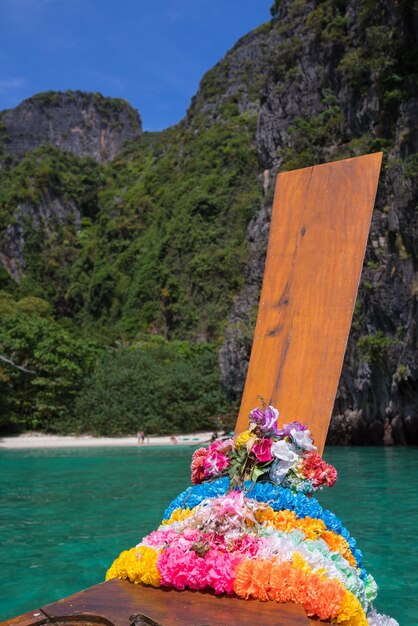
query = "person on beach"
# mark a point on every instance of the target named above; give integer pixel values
(141, 437)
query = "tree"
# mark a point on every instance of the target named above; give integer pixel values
(51, 364)
(157, 386)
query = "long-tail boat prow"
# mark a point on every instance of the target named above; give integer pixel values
(319, 228)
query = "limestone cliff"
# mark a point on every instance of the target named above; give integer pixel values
(337, 79)
(86, 124)
(170, 237)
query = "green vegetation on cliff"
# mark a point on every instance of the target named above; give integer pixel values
(152, 243)
(162, 246)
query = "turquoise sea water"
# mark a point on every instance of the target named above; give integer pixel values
(65, 514)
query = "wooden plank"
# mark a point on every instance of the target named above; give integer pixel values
(31, 618)
(319, 227)
(117, 601)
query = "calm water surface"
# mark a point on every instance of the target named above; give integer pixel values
(65, 514)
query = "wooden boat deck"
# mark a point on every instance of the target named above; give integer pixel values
(122, 603)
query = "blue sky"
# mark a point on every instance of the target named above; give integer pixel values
(153, 53)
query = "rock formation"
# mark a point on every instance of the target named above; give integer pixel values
(337, 84)
(163, 247)
(85, 124)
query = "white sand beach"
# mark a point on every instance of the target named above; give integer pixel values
(41, 440)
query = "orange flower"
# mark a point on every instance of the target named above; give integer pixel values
(336, 543)
(266, 514)
(243, 579)
(252, 578)
(312, 527)
(323, 597)
(279, 576)
(280, 520)
(297, 583)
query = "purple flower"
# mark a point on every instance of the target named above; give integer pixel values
(266, 420)
(287, 428)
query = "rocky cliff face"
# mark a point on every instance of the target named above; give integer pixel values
(339, 81)
(46, 219)
(82, 123)
(162, 245)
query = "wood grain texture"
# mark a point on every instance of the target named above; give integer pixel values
(31, 618)
(318, 234)
(116, 602)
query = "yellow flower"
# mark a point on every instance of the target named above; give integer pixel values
(178, 515)
(148, 566)
(351, 612)
(336, 543)
(139, 565)
(242, 438)
(300, 563)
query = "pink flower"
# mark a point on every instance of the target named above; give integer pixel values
(215, 462)
(262, 450)
(159, 538)
(249, 546)
(220, 570)
(222, 445)
(180, 569)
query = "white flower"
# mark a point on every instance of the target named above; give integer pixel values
(278, 471)
(283, 451)
(286, 459)
(302, 439)
(280, 545)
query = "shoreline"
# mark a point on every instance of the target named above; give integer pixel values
(40, 440)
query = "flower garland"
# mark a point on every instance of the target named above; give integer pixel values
(247, 528)
(279, 499)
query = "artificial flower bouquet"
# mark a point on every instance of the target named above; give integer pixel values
(248, 526)
(283, 456)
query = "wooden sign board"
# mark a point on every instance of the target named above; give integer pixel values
(318, 234)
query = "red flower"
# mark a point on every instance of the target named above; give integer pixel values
(317, 471)
(262, 450)
(198, 471)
